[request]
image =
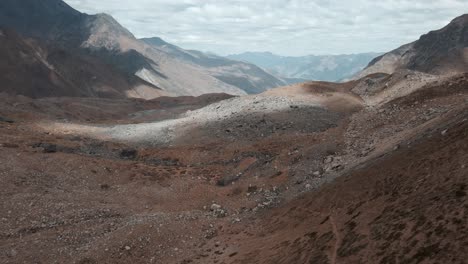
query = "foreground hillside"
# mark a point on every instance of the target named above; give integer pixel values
(239, 180)
(373, 170)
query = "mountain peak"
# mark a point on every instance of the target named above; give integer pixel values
(156, 41)
(104, 17)
(463, 19)
(437, 52)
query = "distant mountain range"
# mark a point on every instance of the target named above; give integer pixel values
(321, 68)
(50, 49)
(69, 53)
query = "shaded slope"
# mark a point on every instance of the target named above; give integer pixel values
(409, 206)
(103, 37)
(55, 23)
(61, 33)
(46, 19)
(35, 69)
(441, 51)
(245, 76)
(24, 71)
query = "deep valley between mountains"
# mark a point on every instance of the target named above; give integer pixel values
(120, 150)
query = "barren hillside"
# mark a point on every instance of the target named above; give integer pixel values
(438, 52)
(147, 69)
(174, 181)
(372, 170)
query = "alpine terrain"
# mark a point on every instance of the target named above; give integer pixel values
(115, 149)
(332, 68)
(149, 70)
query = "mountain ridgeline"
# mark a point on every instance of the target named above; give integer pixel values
(51, 49)
(320, 68)
(370, 170)
(443, 51)
(250, 77)
(79, 48)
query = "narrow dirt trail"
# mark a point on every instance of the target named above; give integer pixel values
(337, 240)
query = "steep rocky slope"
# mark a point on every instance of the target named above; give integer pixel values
(35, 69)
(246, 76)
(242, 180)
(101, 36)
(49, 20)
(409, 206)
(58, 33)
(443, 51)
(367, 171)
(300, 69)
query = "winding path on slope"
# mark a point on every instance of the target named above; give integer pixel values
(337, 239)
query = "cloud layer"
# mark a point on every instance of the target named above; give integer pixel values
(286, 27)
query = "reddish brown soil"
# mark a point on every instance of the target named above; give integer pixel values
(399, 194)
(410, 206)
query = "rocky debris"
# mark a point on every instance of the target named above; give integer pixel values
(260, 125)
(215, 207)
(267, 198)
(367, 150)
(6, 120)
(218, 211)
(380, 124)
(104, 187)
(46, 147)
(12, 253)
(9, 145)
(229, 179)
(129, 154)
(164, 162)
(333, 163)
(210, 232)
(322, 156)
(252, 188)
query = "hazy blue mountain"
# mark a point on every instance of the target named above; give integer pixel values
(294, 69)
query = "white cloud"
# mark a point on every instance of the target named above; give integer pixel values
(287, 27)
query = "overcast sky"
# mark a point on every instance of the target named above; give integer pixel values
(285, 27)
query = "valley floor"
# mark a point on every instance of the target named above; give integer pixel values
(312, 173)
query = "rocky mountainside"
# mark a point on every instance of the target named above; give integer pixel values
(297, 69)
(48, 20)
(443, 51)
(36, 69)
(247, 76)
(309, 173)
(55, 23)
(372, 170)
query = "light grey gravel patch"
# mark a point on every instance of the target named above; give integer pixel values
(165, 132)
